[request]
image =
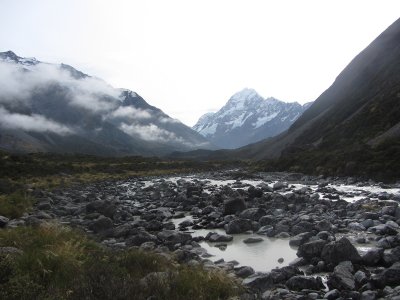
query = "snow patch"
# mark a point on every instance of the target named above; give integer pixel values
(262, 120)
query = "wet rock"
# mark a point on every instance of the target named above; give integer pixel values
(238, 226)
(279, 185)
(338, 251)
(360, 278)
(254, 192)
(266, 220)
(3, 221)
(252, 240)
(311, 249)
(154, 225)
(356, 226)
(233, 206)
(215, 237)
(244, 272)
(282, 226)
(390, 276)
(282, 235)
(45, 205)
(298, 283)
(368, 295)
(267, 230)
(332, 295)
(391, 256)
(106, 208)
(253, 214)
(101, 224)
(373, 256)
(259, 282)
(383, 229)
(171, 237)
(342, 277)
(140, 238)
(300, 239)
(367, 223)
(326, 236)
(302, 227)
(388, 210)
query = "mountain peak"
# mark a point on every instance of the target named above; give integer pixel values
(247, 118)
(10, 56)
(244, 95)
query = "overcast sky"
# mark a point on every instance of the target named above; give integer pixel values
(188, 57)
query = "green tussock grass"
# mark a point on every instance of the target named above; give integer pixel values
(60, 263)
(15, 204)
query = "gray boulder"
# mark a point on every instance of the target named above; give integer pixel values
(233, 206)
(140, 238)
(298, 283)
(238, 226)
(390, 277)
(215, 237)
(391, 256)
(252, 240)
(342, 277)
(101, 224)
(244, 272)
(338, 251)
(300, 239)
(253, 214)
(311, 249)
(3, 221)
(373, 256)
(171, 237)
(323, 225)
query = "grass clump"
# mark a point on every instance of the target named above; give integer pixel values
(15, 205)
(60, 263)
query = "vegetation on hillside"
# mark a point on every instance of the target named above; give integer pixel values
(379, 163)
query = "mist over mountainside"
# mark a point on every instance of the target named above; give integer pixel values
(248, 118)
(56, 108)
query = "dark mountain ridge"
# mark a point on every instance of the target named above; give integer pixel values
(57, 108)
(353, 128)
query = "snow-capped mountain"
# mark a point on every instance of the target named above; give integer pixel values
(54, 107)
(247, 118)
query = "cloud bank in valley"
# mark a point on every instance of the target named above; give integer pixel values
(149, 132)
(18, 82)
(36, 123)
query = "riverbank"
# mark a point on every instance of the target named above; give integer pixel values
(327, 221)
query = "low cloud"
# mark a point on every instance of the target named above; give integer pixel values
(18, 82)
(130, 113)
(150, 132)
(167, 120)
(33, 122)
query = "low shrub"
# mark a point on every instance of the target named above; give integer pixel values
(60, 263)
(15, 204)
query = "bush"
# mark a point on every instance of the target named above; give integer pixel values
(15, 205)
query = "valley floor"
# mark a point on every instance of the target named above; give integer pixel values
(213, 234)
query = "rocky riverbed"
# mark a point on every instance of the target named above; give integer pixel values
(331, 238)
